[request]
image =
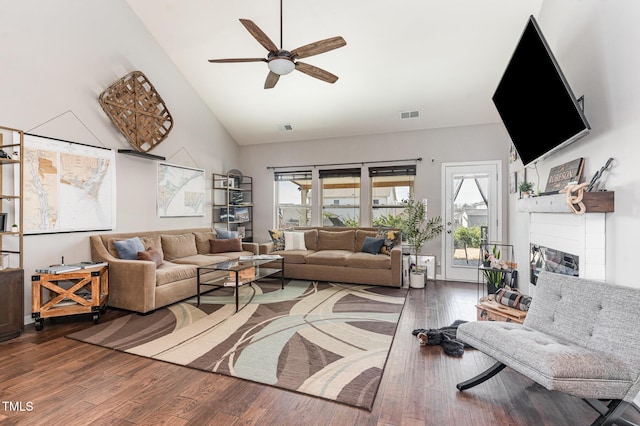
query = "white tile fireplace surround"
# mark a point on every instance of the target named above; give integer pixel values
(581, 235)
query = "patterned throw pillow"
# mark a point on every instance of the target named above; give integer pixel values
(391, 239)
(277, 236)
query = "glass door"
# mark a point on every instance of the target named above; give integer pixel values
(472, 215)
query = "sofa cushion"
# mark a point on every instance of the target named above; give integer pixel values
(372, 245)
(294, 241)
(369, 261)
(202, 241)
(311, 239)
(295, 256)
(152, 255)
(202, 259)
(181, 245)
(391, 239)
(128, 248)
(171, 272)
(224, 246)
(336, 240)
(329, 257)
(277, 236)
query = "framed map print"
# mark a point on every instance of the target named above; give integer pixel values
(180, 191)
(68, 186)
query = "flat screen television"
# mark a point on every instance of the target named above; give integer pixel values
(534, 100)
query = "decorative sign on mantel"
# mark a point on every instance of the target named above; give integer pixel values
(560, 176)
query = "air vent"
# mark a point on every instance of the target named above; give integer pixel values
(409, 114)
(285, 127)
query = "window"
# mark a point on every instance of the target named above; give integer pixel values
(389, 186)
(293, 198)
(340, 197)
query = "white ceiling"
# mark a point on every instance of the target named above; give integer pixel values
(442, 58)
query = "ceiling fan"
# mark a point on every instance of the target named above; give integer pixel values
(282, 62)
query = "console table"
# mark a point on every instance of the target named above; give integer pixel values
(88, 293)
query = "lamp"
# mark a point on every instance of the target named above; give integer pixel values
(281, 65)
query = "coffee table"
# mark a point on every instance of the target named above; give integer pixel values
(236, 273)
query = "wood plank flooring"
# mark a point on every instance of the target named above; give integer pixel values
(48, 379)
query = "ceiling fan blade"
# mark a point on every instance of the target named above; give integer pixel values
(218, 61)
(318, 47)
(316, 72)
(272, 79)
(257, 33)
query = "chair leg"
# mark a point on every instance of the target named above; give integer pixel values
(610, 414)
(482, 377)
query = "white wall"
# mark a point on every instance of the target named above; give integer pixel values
(57, 57)
(594, 42)
(470, 143)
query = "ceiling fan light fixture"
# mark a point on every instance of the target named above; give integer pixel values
(281, 66)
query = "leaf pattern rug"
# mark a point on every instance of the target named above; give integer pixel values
(324, 339)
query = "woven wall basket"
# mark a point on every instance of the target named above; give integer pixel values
(137, 110)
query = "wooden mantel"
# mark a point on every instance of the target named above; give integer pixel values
(595, 202)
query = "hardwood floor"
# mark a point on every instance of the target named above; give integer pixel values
(48, 379)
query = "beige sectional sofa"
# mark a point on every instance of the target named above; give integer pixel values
(141, 285)
(335, 254)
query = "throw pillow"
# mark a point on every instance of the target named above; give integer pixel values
(226, 246)
(129, 248)
(391, 239)
(152, 255)
(372, 245)
(223, 234)
(294, 241)
(277, 236)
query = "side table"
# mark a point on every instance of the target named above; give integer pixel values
(490, 310)
(88, 293)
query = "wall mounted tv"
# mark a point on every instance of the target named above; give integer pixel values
(534, 100)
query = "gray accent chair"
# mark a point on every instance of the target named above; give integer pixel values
(581, 337)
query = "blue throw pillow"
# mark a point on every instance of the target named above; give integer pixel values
(223, 234)
(128, 249)
(372, 245)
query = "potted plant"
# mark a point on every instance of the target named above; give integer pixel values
(493, 272)
(418, 230)
(525, 188)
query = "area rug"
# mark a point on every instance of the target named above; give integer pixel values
(324, 339)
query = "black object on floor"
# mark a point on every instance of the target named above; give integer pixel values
(445, 337)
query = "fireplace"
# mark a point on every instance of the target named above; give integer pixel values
(570, 241)
(548, 259)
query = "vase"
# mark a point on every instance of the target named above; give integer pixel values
(416, 280)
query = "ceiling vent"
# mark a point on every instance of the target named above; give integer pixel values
(409, 114)
(285, 127)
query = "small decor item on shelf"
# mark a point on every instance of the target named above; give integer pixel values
(575, 201)
(14, 228)
(525, 188)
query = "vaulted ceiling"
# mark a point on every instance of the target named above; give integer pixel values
(442, 58)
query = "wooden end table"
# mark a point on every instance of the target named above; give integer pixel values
(491, 310)
(88, 293)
